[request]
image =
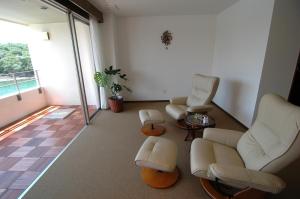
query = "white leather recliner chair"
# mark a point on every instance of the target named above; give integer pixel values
(204, 89)
(248, 161)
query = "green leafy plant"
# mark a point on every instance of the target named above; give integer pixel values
(14, 57)
(102, 79)
(111, 78)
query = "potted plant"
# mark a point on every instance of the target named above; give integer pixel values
(110, 78)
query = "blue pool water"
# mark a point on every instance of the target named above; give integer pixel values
(11, 89)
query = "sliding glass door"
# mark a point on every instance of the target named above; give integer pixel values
(84, 64)
(87, 65)
(84, 61)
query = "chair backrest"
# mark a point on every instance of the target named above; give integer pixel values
(204, 89)
(273, 141)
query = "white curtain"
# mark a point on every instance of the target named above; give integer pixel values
(97, 44)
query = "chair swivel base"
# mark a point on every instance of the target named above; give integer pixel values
(159, 179)
(247, 193)
(153, 130)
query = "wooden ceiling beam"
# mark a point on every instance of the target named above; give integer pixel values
(71, 6)
(89, 8)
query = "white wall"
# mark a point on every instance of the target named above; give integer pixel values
(56, 64)
(154, 72)
(12, 109)
(283, 49)
(108, 40)
(241, 39)
(279, 67)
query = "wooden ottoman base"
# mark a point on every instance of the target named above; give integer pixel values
(153, 130)
(159, 179)
(247, 193)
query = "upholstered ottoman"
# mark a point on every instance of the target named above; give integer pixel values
(150, 119)
(157, 157)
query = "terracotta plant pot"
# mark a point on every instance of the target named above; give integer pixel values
(116, 104)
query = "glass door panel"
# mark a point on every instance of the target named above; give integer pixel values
(87, 66)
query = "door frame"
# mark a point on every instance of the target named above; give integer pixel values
(82, 92)
(71, 20)
(294, 82)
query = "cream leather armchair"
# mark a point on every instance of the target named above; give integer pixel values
(248, 161)
(204, 89)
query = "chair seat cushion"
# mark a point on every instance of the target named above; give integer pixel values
(157, 153)
(178, 112)
(150, 116)
(204, 153)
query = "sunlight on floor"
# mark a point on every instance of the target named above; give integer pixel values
(25, 122)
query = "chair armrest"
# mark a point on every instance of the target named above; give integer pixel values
(222, 136)
(200, 109)
(178, 100)
(243, 177)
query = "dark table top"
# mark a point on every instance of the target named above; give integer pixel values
(195, 121)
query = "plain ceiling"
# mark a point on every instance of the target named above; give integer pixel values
(29, 12)
(162, 7)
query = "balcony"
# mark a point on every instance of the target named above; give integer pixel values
(15, 83)
(29, 140)
(20, 95)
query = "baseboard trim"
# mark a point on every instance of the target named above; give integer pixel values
(144, 101)
(231, 116)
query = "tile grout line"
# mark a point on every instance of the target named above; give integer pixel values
(51, 163)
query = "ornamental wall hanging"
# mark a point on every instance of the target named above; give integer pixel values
(166, 38)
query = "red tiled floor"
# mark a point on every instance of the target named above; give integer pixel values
(38, 152)
(45, 134)
(54, 127)
(19, 134)
(30, 134)
(8, 141)
(41, 127)
(6, 163)
(27, 152)
(67, 127)
(22, 151)
(6, 151)
(11, 193)
(24, 164)
(35, 142)
(59, 134)
(53, 152)
(19, 142)
(63, 141)
(29, 127)
(41, 164)
(49, 142)
(8, 178)
(24, 180)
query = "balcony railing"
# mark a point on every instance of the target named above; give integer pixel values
(16, 83)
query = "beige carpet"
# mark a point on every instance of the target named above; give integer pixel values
(99, 163)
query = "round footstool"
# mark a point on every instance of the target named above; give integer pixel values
(157, 157)
(150, 120)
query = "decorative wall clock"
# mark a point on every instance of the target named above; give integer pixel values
(166, 38)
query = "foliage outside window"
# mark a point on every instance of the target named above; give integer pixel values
(14, 57)
(15, 69)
